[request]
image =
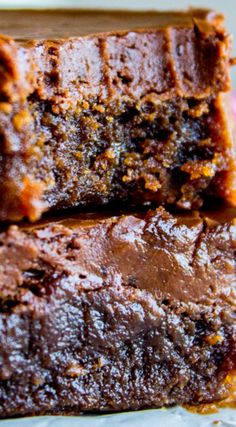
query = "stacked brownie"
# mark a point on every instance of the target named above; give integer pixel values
(126, 301)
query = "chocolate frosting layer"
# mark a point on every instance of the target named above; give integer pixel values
(186, 258)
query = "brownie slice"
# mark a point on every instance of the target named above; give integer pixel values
(100, 107)
(108, 313)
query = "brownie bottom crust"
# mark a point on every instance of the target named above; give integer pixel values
(78, 334)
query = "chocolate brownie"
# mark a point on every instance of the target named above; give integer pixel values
(105, 107)
(108, 313)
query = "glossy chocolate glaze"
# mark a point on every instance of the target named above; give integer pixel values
(188, 257)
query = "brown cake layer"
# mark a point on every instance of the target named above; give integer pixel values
(99, 107)
(108, 313)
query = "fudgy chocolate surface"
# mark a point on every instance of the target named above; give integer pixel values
(61, 24)
(107, 313)
(115, 112)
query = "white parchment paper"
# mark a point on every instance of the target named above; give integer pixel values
(174, 417)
